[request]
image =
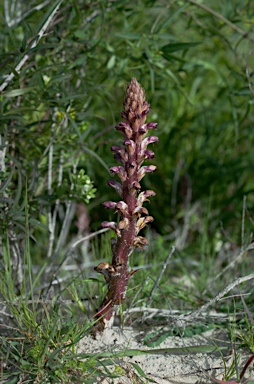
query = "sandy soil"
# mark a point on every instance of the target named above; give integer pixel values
(163, 367)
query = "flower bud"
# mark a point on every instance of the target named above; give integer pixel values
(111, 225)
(131, 146)
(148, 140)
(123, 223)
(143, 196)
(118, 187)
(125, 129)
(147, 154)
(138, 211)
(152, 125)
(146, 110)
(134, 187)
(139, 241)
(122, 206)
(145, 169)
(121, 153)
(109, 204)
(131, 168)
(116, 148)
(141, 223)
(120, 172)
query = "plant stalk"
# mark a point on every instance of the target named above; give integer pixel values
(133, 216)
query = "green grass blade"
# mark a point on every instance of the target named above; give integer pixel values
(140, 352)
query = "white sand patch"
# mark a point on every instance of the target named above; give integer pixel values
(164, 367)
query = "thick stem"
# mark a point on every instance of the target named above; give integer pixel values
(117, 277)
(115, 296)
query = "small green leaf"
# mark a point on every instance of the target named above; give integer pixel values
(82, 186)
(80, 34)
(16, 74)
(159, 340)
(5, 184)
(129, 36)
(18, 92)
(139, 370)
(174, 47)
(111, 62)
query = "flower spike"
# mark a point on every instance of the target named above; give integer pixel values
(133, 216)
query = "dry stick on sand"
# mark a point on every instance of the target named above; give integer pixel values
(195, 314)
(181, 320)
(133, 216)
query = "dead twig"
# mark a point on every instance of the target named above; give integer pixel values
(193, 315)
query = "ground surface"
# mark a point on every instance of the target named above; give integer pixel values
(163, 367)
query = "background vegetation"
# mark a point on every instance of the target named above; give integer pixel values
(195, 60)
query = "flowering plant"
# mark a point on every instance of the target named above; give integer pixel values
(133, 216)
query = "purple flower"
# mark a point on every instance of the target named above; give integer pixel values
(118, 187)
(109, 204)
(145, 169)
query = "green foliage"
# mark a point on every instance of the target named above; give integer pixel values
(154, 339)
(191, 59)
(83, 187)
(57, 116)
(244, 330)
(39, 341)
